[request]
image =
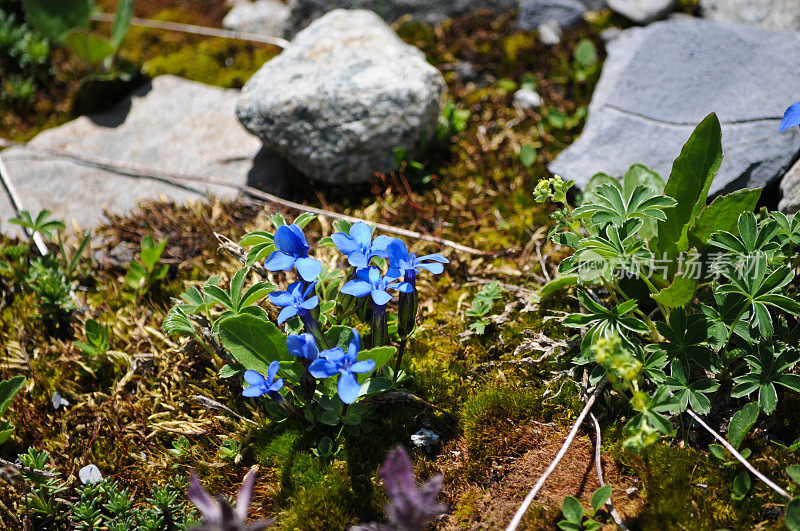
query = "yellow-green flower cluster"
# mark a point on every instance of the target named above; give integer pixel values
(622, 368)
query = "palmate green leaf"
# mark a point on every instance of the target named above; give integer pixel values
(687, 337)
(692, 174)
(53, 18)
(177, 322)
(253, 342)
(751, 239)
(690, 394)
(304, 219)
(766, 369)
(610, 206)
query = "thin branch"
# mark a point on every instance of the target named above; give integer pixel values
(197, 30)
(187, 180)
(728, 446)
(29, 470)
(598, 433)
(526, 503)
(17, 204)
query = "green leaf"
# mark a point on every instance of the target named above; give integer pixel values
(678, 294)
(304, 219)
(53, 18)
(122, 22)
(741, 423)
(792, 517)
(572, 509)
(8, 389)
(557, 284)
(691, 177)
(6, 430)
(527, 155)
(741, 485)
(569, 526)
(380, 355)
(723, 214)
(600, 497)
(90, 47)
(717, 451)
(228, 370)
(585, 53)
(253, 342)
(794, 473)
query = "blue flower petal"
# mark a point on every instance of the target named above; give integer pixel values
(308, 268)
(322, 368)
(335, 355)
(286, 313)
(374, 275)
(433, 267)
(344, 242)
(355, 345)
(302, 346)
(281, 298)
(279, 261)
(791, 117)
(358, 259)
(381, 243)
(286, 240)
(380, 297)
(361, 233)
(310, 303)
(254, 390)
(405, 287)
(356, 288)
(277, 385)
(434, 257)
(362, 366)
(254, 378)
(300, 238)
(272, 371)
(348, 387)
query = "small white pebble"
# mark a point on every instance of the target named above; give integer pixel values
(631, 491)
(527, 99)
(59, 401)
(90, 474)
(550, 33)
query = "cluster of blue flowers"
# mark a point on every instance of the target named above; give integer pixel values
(300, 300)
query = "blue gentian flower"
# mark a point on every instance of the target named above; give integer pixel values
(369, 281)
(407, 265)
(335, 361)
(791, 117)
(293, 252)
(303, 346)
(295, 301)
(359, 246)
(259, 385)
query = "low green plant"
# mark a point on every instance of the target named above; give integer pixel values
(482, 305)
(577, 517)
(146, 272)
(24, 55)
(8, 390)
(96, 343)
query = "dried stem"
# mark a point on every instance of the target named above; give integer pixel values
(728, 446)
(526, 503)
(614, 514)
(194, 182)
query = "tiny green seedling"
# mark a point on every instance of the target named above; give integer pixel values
(96, 339)
(482, 305)
(143, 275)
(576, 517)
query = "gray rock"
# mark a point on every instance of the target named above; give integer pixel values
(171, 124)
(550, 33)
(658, 83)
(337, 101)
(90, 474)
(767, 14)
(268, 17)
(527, 99)
(430, 11)
(790, 188)
(565, 13)
(643, 11)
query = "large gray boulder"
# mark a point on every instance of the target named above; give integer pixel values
(790, 190)
(565, 13)
(169, 125)
(430, 11)
(341, 97)
(658, 83)
(767, 14)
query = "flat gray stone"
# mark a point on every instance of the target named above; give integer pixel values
(565, 13)
(790, 188)
(767, 14)
(660, 81)
(171, 124)
(429, 11)
(341, 97)
(268, 17)
(643, 11)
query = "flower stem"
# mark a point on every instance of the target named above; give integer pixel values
(400, 350)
